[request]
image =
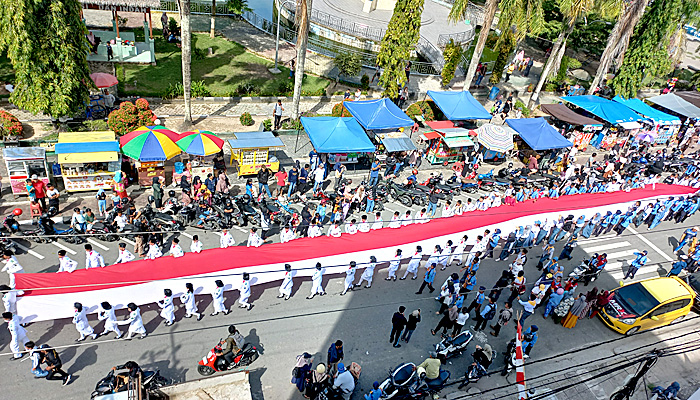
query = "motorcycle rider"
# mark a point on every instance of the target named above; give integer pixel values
(431, 365)
(134, 372)
(232, 344)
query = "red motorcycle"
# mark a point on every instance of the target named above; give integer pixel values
(214, 360)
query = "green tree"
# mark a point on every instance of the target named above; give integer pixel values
(504, 48)
(452, 54)
(460, 11)
(237, 6)
(648, 51)
(45, 42)
(303, 23)
(395, 48)
(348, 63)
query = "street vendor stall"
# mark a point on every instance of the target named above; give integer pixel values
(450, 146)
(200, 148)
(384, 121)
(342, 138)
(459, 105)
(88, 160)
(22, 163)
(662, 125)
(538, 134)
(581, 127)
(624, 121)
(150, 147)
(496, 140)
(251, 150)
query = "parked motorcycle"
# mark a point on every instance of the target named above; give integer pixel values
(212, 362)
(450, 347)
(122, 382)
(474, 372)
(408, 382)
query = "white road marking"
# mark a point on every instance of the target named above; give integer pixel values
(650, 244)
(595, 239)
(238, 228)
(98, 244)
(186, 235)
(604, 247)
(131, 242)
(622, 254)
(30, 251)
(644, 272)
(66, 248)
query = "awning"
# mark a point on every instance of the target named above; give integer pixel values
(497, 138)
(608, 110)
(459, 105)
(457, 141)
(23, 153)
(378, 114)
(440, 124)
(564, 113)
(538, 134)
(254, 140)
(396, 142)
(337, 135)
(630, 125)
(430, 135)
(456, 132)
(692, 97)
(648, 111)
(676, 104)
(87, 147)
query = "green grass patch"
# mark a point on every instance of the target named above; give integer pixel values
(230, 67)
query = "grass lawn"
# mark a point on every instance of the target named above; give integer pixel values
(229, 67)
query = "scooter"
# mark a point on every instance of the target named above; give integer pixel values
(122, 382)
(509, 358)
(587, 271)
(212, 362)
(408, 382)
(473, 374)
(450, 347)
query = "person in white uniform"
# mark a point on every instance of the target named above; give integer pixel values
(12, 266)
(458, 253)
(422, 217)
(317, 282)
(188, 300)
(226, 240)
(254, 240)
(106, 314)
(167, 309)
(218, 299)
(334, 230)
(287, 284)
(153, 250)
(395, 220)
(196, 245)
(445, 255)
(9, 299)
(407, 220)
(93, 259)
(435, 257)
(245, 292)
(414, 263)
(363, 226)
(368, 273)
(287, 234)
(350, 277)
(351, 228)
(65, 264)
(315, 230)
(135, 322)
(479, 247)
(447, 210)
(175, 249)
(124, 255)
(81, 323)
(394, 266)
(18, 334)
(378, 221)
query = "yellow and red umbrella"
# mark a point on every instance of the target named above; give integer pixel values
(200, 143)
(150, 143)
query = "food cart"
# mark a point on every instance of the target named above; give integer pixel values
(22, 163)
(251, 150)
(450, 146)
(88, 160)
(199, 158)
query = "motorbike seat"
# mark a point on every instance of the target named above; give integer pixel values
(460, 339)
(439, 381)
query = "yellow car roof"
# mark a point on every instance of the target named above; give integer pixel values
(666, 288)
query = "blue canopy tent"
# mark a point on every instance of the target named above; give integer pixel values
(378, 114)
(648, 111)
(459, 105)
(538, 134)
(337, 135)
(610, 111)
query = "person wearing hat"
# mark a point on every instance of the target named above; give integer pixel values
(287, 284)
(554, 300)
(167, 311)
(218, 299)
(81, 323)
(106, 314)
(124, 254)
(569, 246)
(678, 266)
(414, 263)
(485, 315)
(245, 292)
(226, 239)
(344, 382)
(368, 273)
(188, 300)
(349, 277)
(317, 381)
(135, 322)
(65, 264)
(431, 365)
(636, 264)
(287, 234)
(317, 282)
(478, 301)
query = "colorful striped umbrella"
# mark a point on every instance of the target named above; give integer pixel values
(496, 137)
(150, 143)
(200, 143)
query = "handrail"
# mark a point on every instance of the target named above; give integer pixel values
(459, 38)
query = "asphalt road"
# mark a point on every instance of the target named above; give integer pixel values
(283, 329)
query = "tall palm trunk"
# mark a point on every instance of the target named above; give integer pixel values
(213, 19)
(186, 39)
(619, 40)
(302, 21)
(489, 11)
(563, 36)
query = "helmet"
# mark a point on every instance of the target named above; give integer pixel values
(151, 199)
(246, 197)
(415, 171)
(171, 193)
(17, 212)
(510, 165)
(126, 200)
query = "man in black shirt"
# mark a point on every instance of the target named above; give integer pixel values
(398, 322)
(53, 365)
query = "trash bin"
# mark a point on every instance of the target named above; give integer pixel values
(179, 167)
(493, 93)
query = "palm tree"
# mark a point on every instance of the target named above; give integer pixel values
(302, 21)
(619, 39)
(213, 19)
(459, 12)
(186, 38)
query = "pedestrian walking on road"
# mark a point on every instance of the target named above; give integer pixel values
(529, 306)
(287, 284)
(65, 264)
(414, 264)
(394, 266)
(226, 240)
(687, 236)
(504, 316)
(349, 277)
(335, 355)
(368, 273)
(478, 301)
(398, 323)
(244, 290)
(81, 323)
(106, 314)
(135, 322)
(124, 254)
(301, 370)
(636, 264)
(678, 266)
(317, 282)
(17, 333)
(188, 300)
(153, 250)
(448, 319)
(195, 246)
(218, 299)
(37, 359)
(462, 319)
(529, 340)
(277, 114)
(428, 279)
(167, 311)
(411, 325)
(486, 315)
(93, 259)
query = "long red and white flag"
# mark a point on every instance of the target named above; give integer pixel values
(520, 364)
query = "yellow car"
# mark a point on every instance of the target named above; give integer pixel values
(647, 304)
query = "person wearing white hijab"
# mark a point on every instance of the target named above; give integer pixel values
(350, 277)
(81, 323)
(167, 311)
(106, 314)
(368, 273)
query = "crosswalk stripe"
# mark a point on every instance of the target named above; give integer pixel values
(604, 247)
(98, 244)
(66, 248)
(186, 235)
(595, 239)
(238, 228)
(30, 251)
(650, 244)
(131, 242)
(621, 254)
(644, 271)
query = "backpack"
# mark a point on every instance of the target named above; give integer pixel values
(491, 313)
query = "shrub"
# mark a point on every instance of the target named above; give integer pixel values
(520, 105)
(246, 119)
(339, 110)
(9, 125)
(550, 87)
(292, 124)
(267, 124)
(172, 25)
(129, 117)
(245, 88)
(452, 55)
(364, 82)
(317, 92)
(285, 87)
(427, 109)
(349, 64)
(199, 89)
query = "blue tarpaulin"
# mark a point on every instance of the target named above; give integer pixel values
(608, 110)
(459, 105)
(538, 134)
(378, 114)
(648, 111)
(337, 135)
